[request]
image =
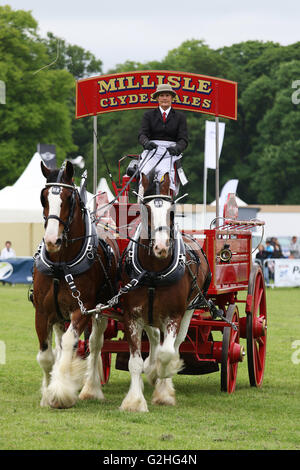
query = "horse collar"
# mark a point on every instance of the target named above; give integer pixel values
(80, 264)
(173, 273)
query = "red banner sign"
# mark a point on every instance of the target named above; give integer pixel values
(133, 90)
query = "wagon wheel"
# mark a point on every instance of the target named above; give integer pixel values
(106, 363)
(256, 327)
(230, 338)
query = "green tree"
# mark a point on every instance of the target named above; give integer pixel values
(275, 156)
(36, 108)
(79, 62)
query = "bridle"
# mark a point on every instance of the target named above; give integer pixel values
(56, 188)
(158, 202)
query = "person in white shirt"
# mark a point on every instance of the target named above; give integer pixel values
(8, 251)
(164, 131)
(294, 248)
(164, 124)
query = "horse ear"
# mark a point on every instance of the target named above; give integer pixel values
(145, 181)
(165, 186)
(45, 170)
(69, 170)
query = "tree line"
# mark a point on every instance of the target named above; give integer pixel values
(261, 149)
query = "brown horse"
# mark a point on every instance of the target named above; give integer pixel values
(171, 272)
(73, 271)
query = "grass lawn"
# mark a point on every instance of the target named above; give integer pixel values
(204, 417)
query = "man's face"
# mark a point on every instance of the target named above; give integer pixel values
(164, 100)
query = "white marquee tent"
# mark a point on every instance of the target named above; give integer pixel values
(21, 201)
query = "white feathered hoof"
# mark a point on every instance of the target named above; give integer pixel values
(164, 393)
(168, 366)
(134, 404)
(61, 400)
(91, 393)
(66, 383)
(151, 374)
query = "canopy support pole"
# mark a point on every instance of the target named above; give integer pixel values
(204, 192)
(95, 141)
(217, 171)
(217, 155)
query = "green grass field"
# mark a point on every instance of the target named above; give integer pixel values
(204, 417)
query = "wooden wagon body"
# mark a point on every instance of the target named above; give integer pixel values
(237, 289)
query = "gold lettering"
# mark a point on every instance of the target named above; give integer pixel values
(130, 81)
(110, 86)
(113, 102)
(185, 100)
(133, 99)
(206, 103)
(174, 81)
(122, 99)
(203, 86)
(143, 98)
(176, 99)
(103, 103)
(187, 84)
(145, 83)
(196, 101)
(160, 79)
(121, 81)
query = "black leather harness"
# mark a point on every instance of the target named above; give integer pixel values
(153, 279)
(79, 265)
(173, 273)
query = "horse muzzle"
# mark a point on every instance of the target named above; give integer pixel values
(161, 250)
(53, 246)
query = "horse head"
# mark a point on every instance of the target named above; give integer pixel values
(58, 201)
(158, 215)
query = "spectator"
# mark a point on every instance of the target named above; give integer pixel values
(270, 252)
(8, 251)
(277, 248)
(294, 248)
(269, 248)
(260, 257)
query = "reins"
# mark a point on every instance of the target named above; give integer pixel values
(138, 170)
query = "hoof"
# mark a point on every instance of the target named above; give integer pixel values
(91, 395)
(61, 401)
(139, 405)
(164, 393)
(58, 405)
(169, 401)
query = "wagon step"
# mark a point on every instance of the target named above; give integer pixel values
(217, 312)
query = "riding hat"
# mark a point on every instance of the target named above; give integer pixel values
(164, 88)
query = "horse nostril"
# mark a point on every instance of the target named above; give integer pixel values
(160, 252)
(58, 242)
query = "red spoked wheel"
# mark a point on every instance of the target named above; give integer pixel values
(232, 352)
(106, 365)
(256, 326)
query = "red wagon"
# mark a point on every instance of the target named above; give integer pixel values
(237, 289)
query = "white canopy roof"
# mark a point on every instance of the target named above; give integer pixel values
(21, 201)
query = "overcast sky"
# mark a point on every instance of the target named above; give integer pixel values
(140, 30)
